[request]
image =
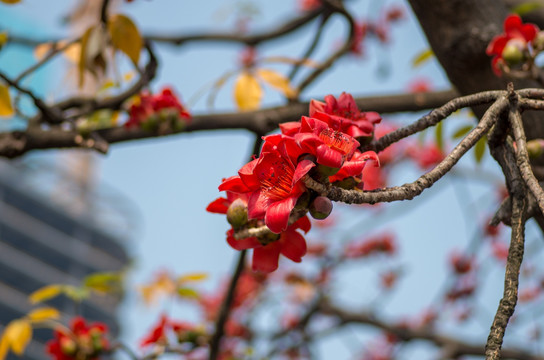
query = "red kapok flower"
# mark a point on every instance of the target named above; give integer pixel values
(273, 182)
(84, 341)
(290, 244)
(150, 105)
(342, 114)
(331, 147)
(355, 166)
(514, 30)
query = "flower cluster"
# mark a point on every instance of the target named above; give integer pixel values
(81, 342)
(157, 111)
(268, 188)
(519, 43)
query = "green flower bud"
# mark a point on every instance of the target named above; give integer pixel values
(151, 123)
(237, 214)
(321, 208)
(513, 52)
(535, 148)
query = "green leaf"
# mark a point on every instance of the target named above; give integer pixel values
(462, 131)
(439, 136)
(104, 282)
(422, 57)
(188, 293)
(479, 149)
(527, 7)
(125, 36)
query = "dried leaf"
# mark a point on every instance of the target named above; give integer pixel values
(247, 92)
(6, 109)
(422, 57)
(125, 36)
(42, 314)
(277, 81)
(192, 277)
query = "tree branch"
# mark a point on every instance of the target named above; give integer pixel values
(411, 190)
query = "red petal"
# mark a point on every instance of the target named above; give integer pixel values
(316, 106)
(277, 214)
(512, 23)
(303, 223)
(496, 46)
(234, 184)
(248, 177)
(293, 245)
(257, 205)
(218, 206)
(291, 128)
(266, 258)
(302, 169)
(329, 157)
(529, 31)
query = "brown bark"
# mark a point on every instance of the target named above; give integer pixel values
(459, 31)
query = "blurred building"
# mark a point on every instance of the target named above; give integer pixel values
(48, 237)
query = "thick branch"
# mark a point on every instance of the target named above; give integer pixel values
(261, 122)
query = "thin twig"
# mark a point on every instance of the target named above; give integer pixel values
(522, 158)
(434, 117)
(215, 342)
(511, 279)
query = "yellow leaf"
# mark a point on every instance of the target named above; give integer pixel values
(72, 52)
(125, 36)
(104, 281)
(192, 277)
(128, 76)
(4, 346)
(247, 92)
(18, 334)
(422, 57)
(10, 1)
(3, 38)
(45, 293)
(93, 44)
(277, 81)
(6, 109)
(42, 314)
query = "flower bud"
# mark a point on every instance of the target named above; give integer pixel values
(513, 52)
(321, 208)
(237, 214)
(535, 148)
(68, 346)
(151, 123)
(538, 42)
